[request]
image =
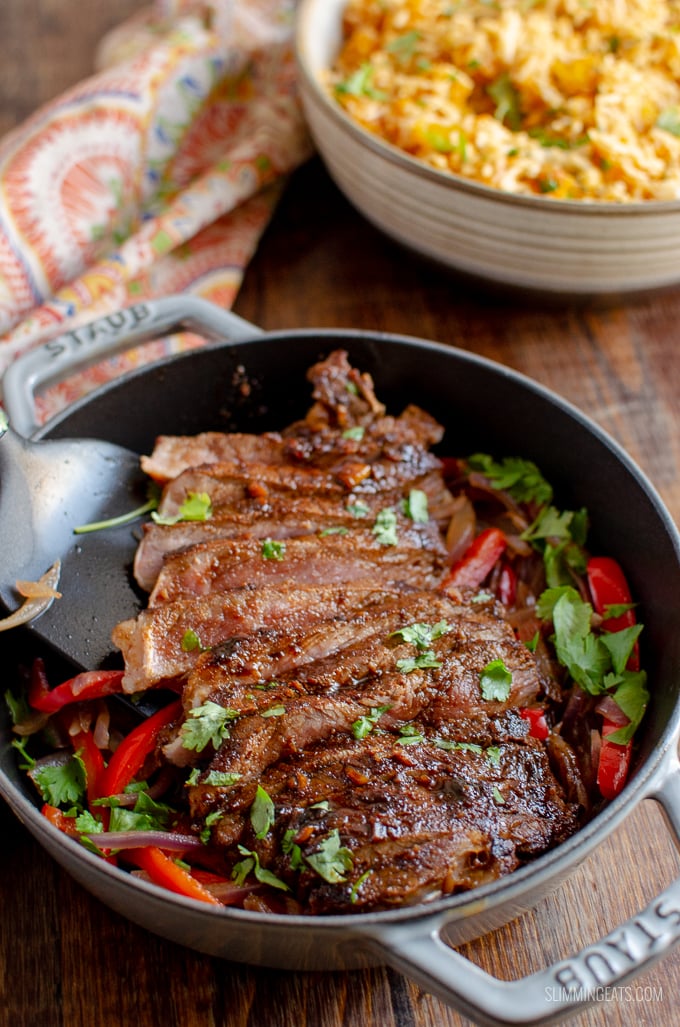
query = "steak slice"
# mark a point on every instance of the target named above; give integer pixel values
(154, 645)
(317, 695)
(279, 517)
(173, 454)
(367, 824)
(384, 438)
(342, 554)
(228, 484)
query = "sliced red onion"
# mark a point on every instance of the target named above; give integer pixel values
(171, 841)
(610, 710)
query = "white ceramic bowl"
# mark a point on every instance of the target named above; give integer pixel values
(565, 247)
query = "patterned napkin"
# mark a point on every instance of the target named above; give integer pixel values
(157, 175)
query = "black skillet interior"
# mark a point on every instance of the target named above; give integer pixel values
(261, 385)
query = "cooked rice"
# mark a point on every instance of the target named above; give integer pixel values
(570, 99)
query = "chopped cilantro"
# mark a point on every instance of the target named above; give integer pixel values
(424, 661)
(354, 893)
(291, 849)
(364, 725)
(272, 549)
(385, 527)
(410, 735)
(359, 509)
(452, 746)
(210, 822)
(197, 506)
(422, 635)
(360, 83)
(506, 98)
(19, 710)
(669, 120)
(493, 754)
(205, 724)
(191, 642)
(251, 864)
(216, 778)
(404, 47)
(337, 529)
(356, 433)
(495, 681)
(274, 711)
(498, 797)
(332, 859)
(596, 662)
(261, 813)
(415, 506)
(63, 783)
(520, 478)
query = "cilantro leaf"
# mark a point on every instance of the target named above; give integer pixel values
(272, 549)
(620, 645)
(191, 642)
(415, 506)
(424, 661)
(355, 433)
(521, 478)
(422, 635)
(632, 697)
(410, 735)
(385, 527)
(197, 506)
(506, 98)
(363, 726)
(205, 724)
(360, 83)
(261, 813)
(495, 681)
(332, 859)
(61, 784)
(251, 864)
(358, 509)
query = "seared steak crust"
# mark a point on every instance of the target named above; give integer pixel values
(306, 614)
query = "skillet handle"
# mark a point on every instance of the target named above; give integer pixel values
(106, 336)
(549, 996)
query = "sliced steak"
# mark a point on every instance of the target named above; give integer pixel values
(321, 681)
(374, 824)
(337, 555)
(278, 517)
(154, 645)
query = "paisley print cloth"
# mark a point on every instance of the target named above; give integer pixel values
(157, 175)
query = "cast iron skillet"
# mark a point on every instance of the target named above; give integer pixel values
(258, 383)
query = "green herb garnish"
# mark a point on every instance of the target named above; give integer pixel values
(206, 724)
(495, 681)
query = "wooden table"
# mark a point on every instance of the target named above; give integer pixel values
(67, 960)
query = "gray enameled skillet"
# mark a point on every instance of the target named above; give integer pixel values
(256, 381)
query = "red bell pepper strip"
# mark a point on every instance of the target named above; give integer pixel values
(58, 819)
(87, 749)
(130, 755)
(164, 871)
(91, 684)
(538, 725)
(614, 763)
(477, 561)
(608, 587)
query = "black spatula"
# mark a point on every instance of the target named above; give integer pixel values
(51, 488)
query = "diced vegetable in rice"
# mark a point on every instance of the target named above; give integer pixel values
(570, 99)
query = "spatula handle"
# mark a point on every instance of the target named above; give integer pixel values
(105, 337)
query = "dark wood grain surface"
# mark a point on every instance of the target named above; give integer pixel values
(67, 960)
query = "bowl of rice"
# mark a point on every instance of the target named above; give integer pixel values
(531, 144)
